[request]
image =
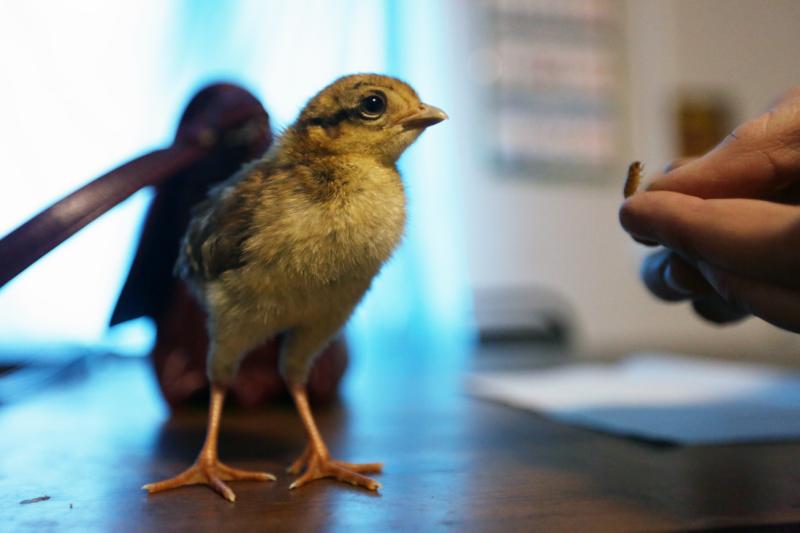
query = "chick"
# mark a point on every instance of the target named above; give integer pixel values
(290, 244)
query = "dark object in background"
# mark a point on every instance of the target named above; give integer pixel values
(531, 316)
(222, 127)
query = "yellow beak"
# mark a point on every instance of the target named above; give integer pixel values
(426, 115)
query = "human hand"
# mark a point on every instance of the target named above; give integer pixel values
(729, 223)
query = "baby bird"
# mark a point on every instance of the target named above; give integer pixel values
(290, 244)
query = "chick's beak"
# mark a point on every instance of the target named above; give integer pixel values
(426, 115)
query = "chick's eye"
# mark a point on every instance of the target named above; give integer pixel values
(372, 106)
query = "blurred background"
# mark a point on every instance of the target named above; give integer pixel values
(513, 231)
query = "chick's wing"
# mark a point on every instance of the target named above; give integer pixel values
(214, 240)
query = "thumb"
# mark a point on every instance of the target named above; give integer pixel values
(759, 159)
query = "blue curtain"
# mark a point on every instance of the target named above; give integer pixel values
(283, 52)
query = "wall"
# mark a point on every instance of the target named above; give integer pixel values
(568, 239)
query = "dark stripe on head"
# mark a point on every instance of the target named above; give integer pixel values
(326, 122)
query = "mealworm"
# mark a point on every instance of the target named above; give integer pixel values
(635, 172)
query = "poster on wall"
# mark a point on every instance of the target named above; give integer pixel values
(554, 74)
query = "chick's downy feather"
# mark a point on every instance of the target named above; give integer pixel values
(291, 242)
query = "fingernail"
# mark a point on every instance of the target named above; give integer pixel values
(672, 282)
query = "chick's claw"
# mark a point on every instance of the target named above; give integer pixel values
(319, 468)
(211, 473)
(297, 466)
(301, 462)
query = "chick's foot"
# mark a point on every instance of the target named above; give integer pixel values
(318, 467)
(212, 473)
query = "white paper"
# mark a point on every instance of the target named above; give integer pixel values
(658, 397)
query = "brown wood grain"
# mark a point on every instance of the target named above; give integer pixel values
(451, 462)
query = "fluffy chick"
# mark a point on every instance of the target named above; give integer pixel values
(290, 244)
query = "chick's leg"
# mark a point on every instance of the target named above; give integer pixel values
(298, 349)
(362, 468)
(207, 469)
(316, 457)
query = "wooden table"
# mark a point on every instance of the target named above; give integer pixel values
(451, 463)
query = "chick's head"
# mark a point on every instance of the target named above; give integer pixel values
(366, 114)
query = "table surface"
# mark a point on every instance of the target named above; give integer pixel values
(451, 462)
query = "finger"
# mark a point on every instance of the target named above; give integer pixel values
(777, 305)
(728, 171)
(685, 278)
(630, 189)
(715, 309)
(755, 238)
(671, 278)
(757, 160)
